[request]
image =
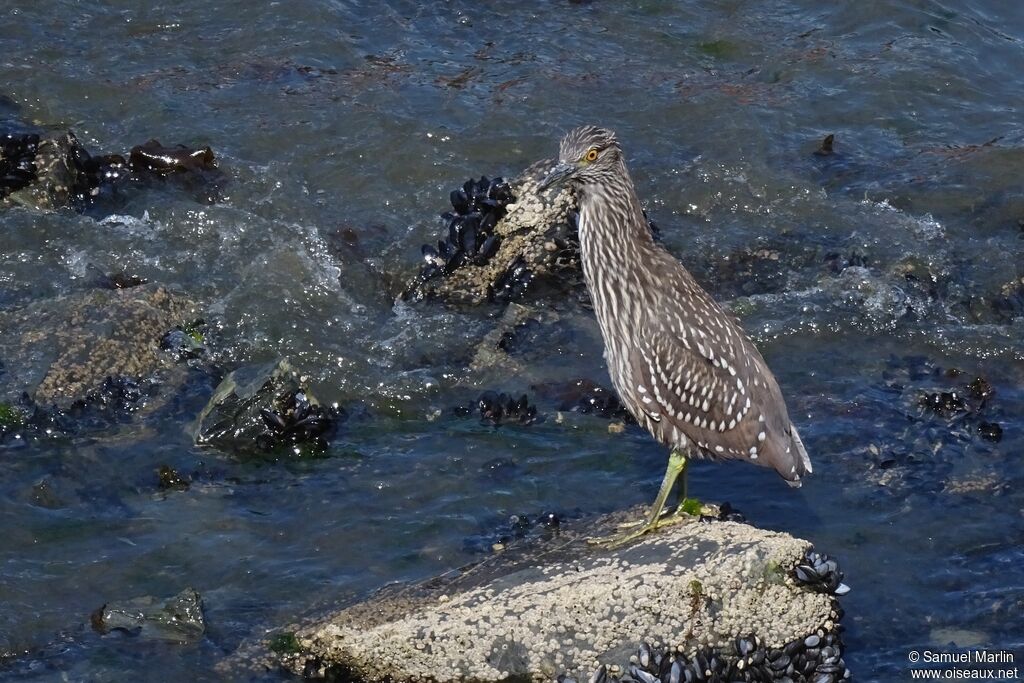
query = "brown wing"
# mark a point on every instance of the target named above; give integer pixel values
(685, 390)
(707, 385)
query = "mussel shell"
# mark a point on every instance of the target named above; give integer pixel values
(272, 420)
(469, 234)
(430, 254)
(805, 574)
(460, 200)
(642, 676)
(488, 221)
(490, 246)
(455, 232)
(454, 262)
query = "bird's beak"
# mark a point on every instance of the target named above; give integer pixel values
(557, 175)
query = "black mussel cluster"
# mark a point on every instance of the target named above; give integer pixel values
(980, 389)
(945, 403)
(169, 479)
(603, 403)
(587, 397)
(515, 528)
(116, 394)
(990, 431)
(118, 280)
(495, 409)
(115, 398)
(294, 420)
(512, 283)
(817, 657)
(971, 403)
(822, 573)
(17, 161)
(96, 174)
(837, 262)
(476, 209)
(726, 513)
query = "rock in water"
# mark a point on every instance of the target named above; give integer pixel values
(529, 239)
(178, 620)
(266, 409)
(61, 349)
(60, 176)
(565, 609)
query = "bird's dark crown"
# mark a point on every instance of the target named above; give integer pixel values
(578, 142)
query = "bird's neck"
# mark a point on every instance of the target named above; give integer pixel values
(613, 230)
(615, 248)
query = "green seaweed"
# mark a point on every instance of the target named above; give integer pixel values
(692, 506)
(719, 49)
(10, 417)
(285, 644)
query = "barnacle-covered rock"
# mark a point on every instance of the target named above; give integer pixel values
(266, 409)
(709, 600)
(501, 239)
(64, 350)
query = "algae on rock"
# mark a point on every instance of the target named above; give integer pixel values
(59, 350)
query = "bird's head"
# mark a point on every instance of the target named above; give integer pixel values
(587, 155)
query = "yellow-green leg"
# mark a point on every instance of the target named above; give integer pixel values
(676, 468)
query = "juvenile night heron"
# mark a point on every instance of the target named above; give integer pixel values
(679, 362)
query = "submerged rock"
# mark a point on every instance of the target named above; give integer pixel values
(266, 409)
(62, 350)
(692, 591)
(153, 157)
(179, 619)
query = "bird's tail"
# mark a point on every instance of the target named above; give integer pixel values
(805, 460)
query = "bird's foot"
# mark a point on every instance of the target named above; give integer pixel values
(645, 527)
(637, 523)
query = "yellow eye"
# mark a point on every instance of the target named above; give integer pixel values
(591, 155)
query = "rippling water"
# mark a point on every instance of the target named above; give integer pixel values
(866, 276)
